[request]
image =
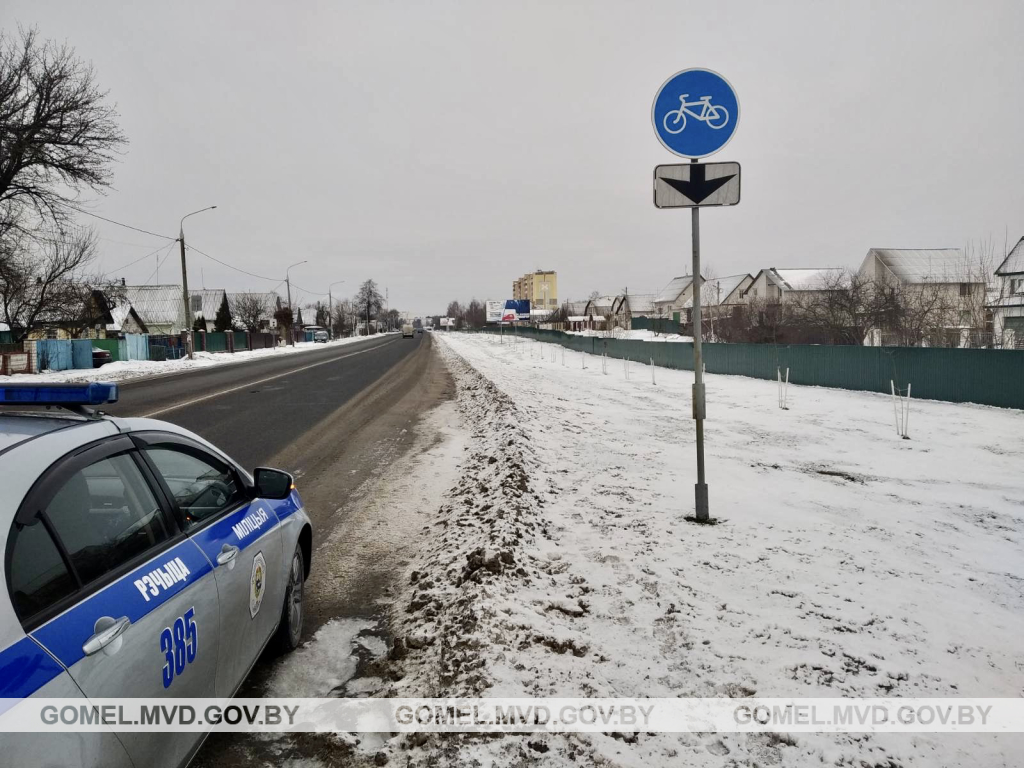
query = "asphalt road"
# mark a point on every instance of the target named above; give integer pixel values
(254, 410)
(342, 419)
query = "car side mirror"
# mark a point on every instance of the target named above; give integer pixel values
(272, 483)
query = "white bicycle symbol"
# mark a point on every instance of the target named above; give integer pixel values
(715, 116)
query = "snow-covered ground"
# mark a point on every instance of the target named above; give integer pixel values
(634, 335)
(847, 562)
(135, 369)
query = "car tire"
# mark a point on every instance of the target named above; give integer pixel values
(289, 631)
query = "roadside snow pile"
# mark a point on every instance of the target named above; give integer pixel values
(135, 369)
(847, 563)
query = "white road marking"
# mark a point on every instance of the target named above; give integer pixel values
(193, 401)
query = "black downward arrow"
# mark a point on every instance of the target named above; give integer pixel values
(698, 187)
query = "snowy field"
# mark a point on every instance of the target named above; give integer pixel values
(847, 562)
(635, 335)
(137, 369)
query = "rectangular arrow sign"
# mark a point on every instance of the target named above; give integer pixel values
(692, 185)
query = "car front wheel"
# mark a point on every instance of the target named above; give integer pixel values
(289, 631)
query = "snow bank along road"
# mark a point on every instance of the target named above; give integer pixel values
(848, 562)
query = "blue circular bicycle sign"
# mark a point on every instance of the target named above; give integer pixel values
(695, 113)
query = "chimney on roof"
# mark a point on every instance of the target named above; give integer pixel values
(122, 281)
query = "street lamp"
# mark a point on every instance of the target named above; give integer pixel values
(287, 279)
(184, 279)
(330, 306)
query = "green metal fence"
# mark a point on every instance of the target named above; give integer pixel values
(216, 341)
(114, 346)
(984, 376)
(656, 324)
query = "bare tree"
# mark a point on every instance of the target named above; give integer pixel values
(57, 133)
(322, 314)
(475, 314)
(44, 279)
(285, 319)
(842, 308)
(559, 317)
(343, 319)
(759, 321)
(251, 310)
(916, 314)
(457, 313)
(977, 275)
(369, 300)
(393, 319)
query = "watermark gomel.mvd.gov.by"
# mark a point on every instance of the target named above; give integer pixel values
(497, 715)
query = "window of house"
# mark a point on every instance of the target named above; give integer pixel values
(965, 289)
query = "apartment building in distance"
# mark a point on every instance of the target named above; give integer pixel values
(540, 288)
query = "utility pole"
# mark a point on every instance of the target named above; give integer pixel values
(187, 317)
(288, 282)
(184, 281)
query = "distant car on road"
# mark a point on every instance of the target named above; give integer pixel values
(321, 337)
(100, 357)
(407, 330)
(141, 562)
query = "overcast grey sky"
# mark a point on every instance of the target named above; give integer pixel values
(445, 148)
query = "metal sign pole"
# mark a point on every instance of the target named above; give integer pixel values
(696, 129)
(701, 488)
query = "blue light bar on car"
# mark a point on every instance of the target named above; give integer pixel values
(94, 393)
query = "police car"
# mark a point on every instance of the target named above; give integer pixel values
(139, 561)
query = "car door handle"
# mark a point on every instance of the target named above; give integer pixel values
(106, 636)
(227, 554)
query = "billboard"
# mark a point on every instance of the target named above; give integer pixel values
(494, 310)
(508, 311)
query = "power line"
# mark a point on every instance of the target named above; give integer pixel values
(230, 266)
(159, 262)
(312, 293)
(122, 242)
(130, 263)
(118, 223)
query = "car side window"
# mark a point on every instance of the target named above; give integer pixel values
(106, 515)
(98, 518)
(202, 485)
(39, 577)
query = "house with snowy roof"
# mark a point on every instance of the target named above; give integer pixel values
(1007, 306)
(161, 307)
(777, 286)
(675, 299)
(947, 277)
